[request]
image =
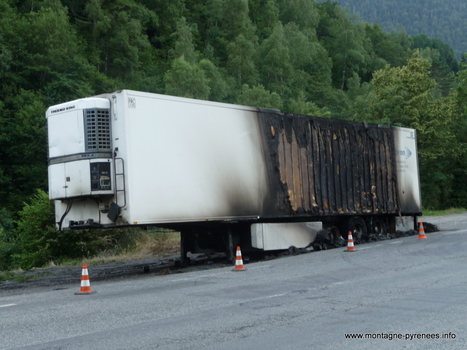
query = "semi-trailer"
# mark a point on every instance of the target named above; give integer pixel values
(225, 174)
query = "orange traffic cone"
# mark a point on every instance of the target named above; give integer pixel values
(85, 284)
(350, 246)
(239, 261)
(421, 231)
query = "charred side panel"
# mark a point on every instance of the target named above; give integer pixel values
(323, 166)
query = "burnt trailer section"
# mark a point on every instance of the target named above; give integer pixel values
(226, 174)
(331, 171)
(329, 167)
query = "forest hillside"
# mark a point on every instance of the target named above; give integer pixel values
(441, 19)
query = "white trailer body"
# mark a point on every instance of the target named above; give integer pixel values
(180, 160)
(135, 158)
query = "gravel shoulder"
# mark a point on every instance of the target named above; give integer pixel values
(57, 277)
(447, 222)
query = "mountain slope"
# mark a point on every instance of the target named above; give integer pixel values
(445, 20)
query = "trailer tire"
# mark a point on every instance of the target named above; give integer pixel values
(357, 226)
(328, 237)
(380, 228)
(334, 236)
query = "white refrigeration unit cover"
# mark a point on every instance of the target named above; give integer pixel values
(74, 144)
(65, 125)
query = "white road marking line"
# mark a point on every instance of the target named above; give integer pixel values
(263, 297)
(359, 247)
(395, 242)
(218, 273)
(287, 293)
(367, 247)
(7, 305)
(452, 232)
(337, 283)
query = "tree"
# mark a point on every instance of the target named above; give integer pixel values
(220, 85)
(300, 105)
(166, 14)
(229, 22)
(184, 46)
(209, 25)
(459, 191)
(258, 96)
(240, 62)
(446, 53)
(23, 154)
(265, 15)
(304, 13)
(47, 51)
(8, 244)
(274, 62)
(119, 45)
(186, 80)
(440, 72)
(311, 65)
(394, 48)
(359, 96)
(345, 40)
(5, 59)
(236, 20)
(403, 96)
(435, 19)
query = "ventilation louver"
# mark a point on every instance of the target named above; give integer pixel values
(97, 130)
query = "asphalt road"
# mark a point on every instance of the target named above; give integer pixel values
(405, 288)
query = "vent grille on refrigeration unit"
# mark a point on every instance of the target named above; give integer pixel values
(97, 130)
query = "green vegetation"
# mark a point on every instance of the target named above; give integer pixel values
(449, 211)
(150, 243)
(299, 56)
(445, 20)
(36, 243)
(11, 276)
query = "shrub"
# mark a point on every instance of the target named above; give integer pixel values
(40, 243)
(35, 230)
(8, 246)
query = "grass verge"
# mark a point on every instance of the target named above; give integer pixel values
(119, 246)
(11, 276)
(151, 243)
(445, 212)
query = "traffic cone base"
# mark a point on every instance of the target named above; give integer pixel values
(421, 231)
(85, 284)
(239, 261)
(350, 246)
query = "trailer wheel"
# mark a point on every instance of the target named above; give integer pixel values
(328, 237)
(357, 226)
(334, 236)
(380, 228)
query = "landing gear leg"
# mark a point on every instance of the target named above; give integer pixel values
(230, 246)
(184, 260)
